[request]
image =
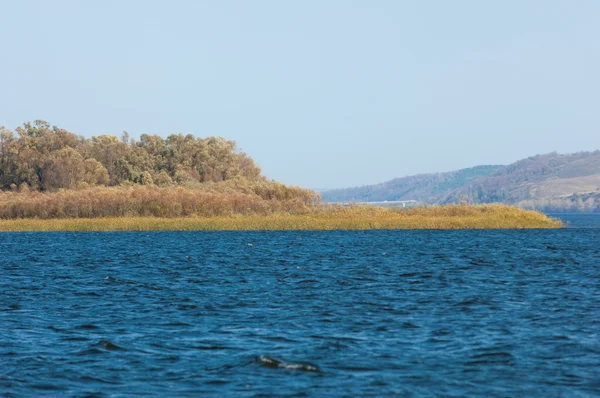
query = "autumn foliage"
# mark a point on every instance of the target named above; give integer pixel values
(48, 172)
(51, 179)
(212, 199)
(44, 158)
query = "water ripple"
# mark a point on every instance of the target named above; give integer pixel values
(363, 313)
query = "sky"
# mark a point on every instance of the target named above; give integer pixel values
(321, 93)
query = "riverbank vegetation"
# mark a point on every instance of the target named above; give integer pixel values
(48, 172)
(41, 157)
(54, 180)
(208, 200)
(315, 218)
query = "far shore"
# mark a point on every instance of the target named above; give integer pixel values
(352, 218)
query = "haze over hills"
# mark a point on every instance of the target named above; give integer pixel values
(550, 182)
(422, 187)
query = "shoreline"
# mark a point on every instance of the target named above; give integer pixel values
(450, 217)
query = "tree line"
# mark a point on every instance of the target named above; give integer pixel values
(37, 156)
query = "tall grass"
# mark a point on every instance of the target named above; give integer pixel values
(315, 218)
(207, 200)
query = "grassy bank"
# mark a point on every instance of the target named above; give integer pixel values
(322, 218)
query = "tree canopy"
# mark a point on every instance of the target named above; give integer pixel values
(47, 158)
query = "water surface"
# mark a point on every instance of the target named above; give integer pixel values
(372, 313)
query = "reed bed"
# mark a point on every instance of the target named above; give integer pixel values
(317, 218)
(207, 200)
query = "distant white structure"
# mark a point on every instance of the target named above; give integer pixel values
(390, 203)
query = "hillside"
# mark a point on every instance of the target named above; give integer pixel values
(544, 182)
(423, 187)
(535, 179)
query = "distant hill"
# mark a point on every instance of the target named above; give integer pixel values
(531, 182)
(422, 187)
(544, 182)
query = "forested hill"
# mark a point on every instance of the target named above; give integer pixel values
(40, 157)
(551, 182)
(426, 188)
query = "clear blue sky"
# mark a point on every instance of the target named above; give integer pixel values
(322, 94)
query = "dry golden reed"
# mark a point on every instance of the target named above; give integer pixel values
(205, 200)
(315, 218)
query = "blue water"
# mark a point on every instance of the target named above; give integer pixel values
(376, 313)
(578, 220)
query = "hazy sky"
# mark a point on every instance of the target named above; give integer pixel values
(322, 94)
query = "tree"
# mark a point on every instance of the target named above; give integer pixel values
(95, 173)
(48, 158)
(65, 170)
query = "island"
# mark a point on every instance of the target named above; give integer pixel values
(54, 180)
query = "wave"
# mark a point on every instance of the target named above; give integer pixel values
(269, 362)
